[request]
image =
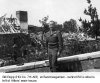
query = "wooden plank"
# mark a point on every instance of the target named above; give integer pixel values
(80, 57)
(32, 65)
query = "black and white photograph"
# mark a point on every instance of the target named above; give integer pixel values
(49, 36)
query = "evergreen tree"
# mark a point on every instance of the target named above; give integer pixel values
(91, 27)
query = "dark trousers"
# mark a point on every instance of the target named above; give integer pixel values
(52, 53)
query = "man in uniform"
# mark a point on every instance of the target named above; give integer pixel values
(54, 44)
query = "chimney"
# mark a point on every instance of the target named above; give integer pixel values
(23, 19)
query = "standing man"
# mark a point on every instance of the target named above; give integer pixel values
(54, 44)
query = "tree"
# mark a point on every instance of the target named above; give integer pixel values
(56, 26)
(44, 25)
(70, 26)
(91, 27)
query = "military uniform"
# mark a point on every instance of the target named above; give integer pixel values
(54, 43)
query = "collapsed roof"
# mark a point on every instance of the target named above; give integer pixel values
(9, 25)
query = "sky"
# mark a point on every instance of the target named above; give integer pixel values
(57, 10)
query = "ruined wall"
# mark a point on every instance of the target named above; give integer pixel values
(6, 43)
